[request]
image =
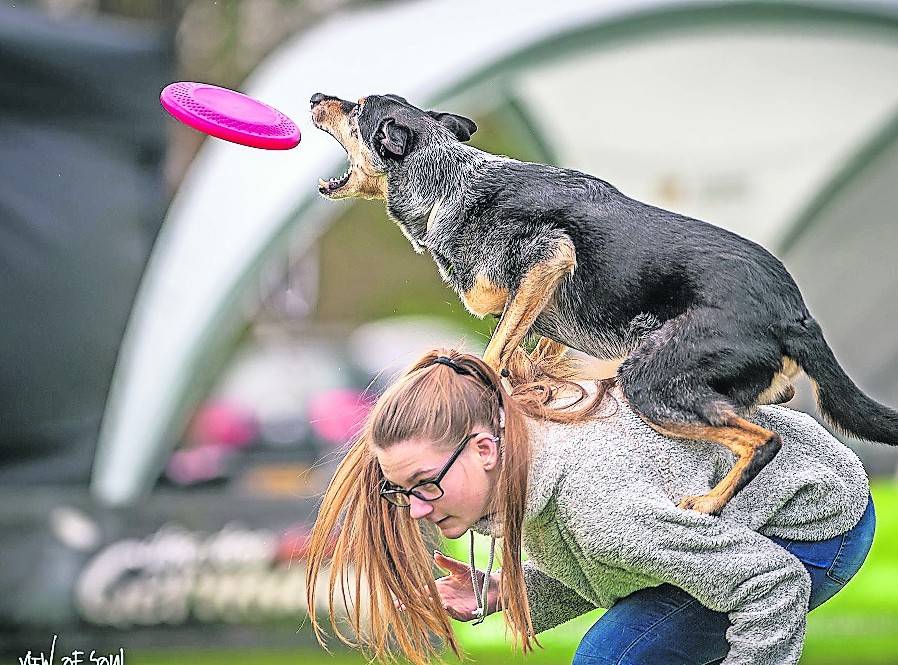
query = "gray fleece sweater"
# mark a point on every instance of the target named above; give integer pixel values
(602, 522)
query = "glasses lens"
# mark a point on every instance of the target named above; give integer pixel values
(396, 498)
(428, 491)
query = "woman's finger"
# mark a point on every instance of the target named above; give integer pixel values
(450, 565)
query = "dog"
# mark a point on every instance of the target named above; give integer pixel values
(710, 324)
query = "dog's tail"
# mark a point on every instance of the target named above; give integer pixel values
(842, 403)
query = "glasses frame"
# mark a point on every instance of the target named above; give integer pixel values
(389, 490)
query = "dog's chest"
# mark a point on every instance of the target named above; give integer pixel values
(480, 295)
(461, 272)
(484, 297)
(444, 265)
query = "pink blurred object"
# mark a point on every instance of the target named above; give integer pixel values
(229, 115)
(223, 424)
(294, 543)
(195, 465)
(337, 415)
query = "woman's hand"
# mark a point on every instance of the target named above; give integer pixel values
(456, 592)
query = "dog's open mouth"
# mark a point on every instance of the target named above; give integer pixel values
(331, 186)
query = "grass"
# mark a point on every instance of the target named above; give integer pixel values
(858, 626)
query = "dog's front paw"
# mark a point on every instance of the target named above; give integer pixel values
(708, 504)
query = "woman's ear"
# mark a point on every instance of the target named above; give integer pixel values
(487, 447)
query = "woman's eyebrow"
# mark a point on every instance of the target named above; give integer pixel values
(417, 475)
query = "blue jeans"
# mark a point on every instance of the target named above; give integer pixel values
(665, 625)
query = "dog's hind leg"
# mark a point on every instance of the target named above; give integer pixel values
(753, 446)
(692, 378)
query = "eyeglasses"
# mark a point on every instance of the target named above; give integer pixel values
(426, 490)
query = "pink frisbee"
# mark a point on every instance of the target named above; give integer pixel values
(229, 115)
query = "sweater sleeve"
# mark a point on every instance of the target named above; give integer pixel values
(551, 602)
(727, 567)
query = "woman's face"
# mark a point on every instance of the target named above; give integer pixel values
(467, 486)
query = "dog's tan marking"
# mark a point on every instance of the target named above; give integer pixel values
(780, 389)
(744, 439)
(484, 297)
(329, 115)
(533, 294)
(364, 181)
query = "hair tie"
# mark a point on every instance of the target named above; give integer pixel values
(448, 362)
(476, 372)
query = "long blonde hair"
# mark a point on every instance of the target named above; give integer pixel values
(381, 555)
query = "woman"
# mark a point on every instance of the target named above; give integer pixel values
(591, 492)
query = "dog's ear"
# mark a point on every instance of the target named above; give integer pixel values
(392, 139)
(462, 127)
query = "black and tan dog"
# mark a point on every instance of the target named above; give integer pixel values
(711, 324)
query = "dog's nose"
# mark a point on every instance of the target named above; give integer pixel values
(319, 97)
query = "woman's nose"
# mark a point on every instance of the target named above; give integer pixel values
(418, 508)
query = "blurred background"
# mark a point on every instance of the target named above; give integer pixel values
(192, 334)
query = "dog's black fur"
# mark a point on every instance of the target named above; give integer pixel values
(704, 317)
